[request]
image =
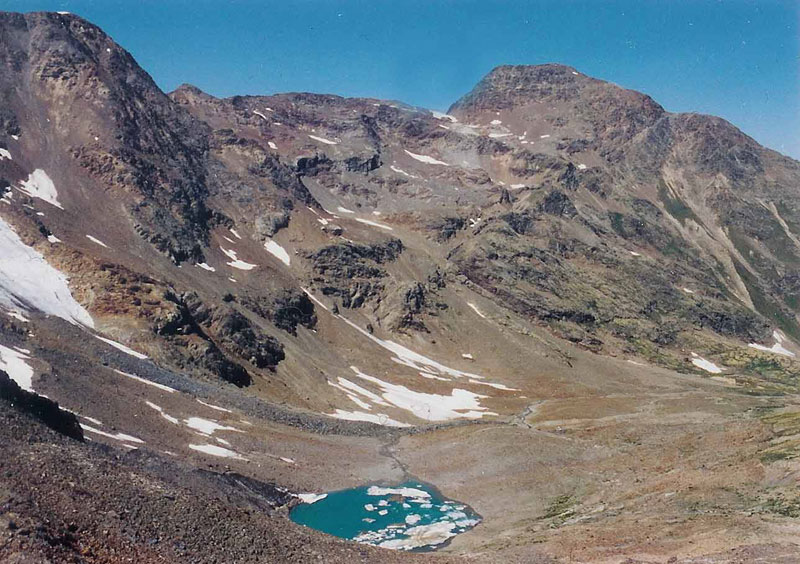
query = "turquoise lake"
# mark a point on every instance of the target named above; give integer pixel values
(410, 516)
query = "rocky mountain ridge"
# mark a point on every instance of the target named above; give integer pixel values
(359, 274)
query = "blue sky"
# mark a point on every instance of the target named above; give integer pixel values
(736, 59)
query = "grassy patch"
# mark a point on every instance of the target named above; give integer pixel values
(676, 207)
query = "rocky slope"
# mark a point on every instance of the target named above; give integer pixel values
(558, 272)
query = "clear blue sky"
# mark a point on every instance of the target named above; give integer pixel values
(736, 59)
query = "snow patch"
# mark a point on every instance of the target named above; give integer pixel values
(207, 426)
(53, 239)
(517, 186)
(205, 266)
(344, 210)
(215, 450)
(378, 418)
(311, 497)
(323, 140)
(278, 252)
(475, 309)
(40, 186)
(704, 364)
(218, 408)
(401, 171)
(4, 154)
(235, 233)
(235, 262)
(581, 166)
(123, 348)
(144, 381)
(460, 404)
(425, 159)
(259, 114)
(373, 223)
(272, 145)
(776, 348)
(442, 115)
(544, 136)
(495, 122)
(95, 240)
(116, 436)
(28, 282)
(13, 363)
(166, 416)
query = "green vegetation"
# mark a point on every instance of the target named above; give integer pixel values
(676, 207)
(560, 507)
(766, 306)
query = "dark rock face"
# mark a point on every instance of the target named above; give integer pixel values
(42, 408)
(352, 271)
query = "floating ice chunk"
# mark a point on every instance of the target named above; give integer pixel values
(13, 363)
(383, 512)
(205, 266)
(116, 436)
(123, 348)
(704, 364)
(423, 535)
(144, 381)
(215, 450)
(378, 418)
(373, 223)
(95, 240)
(311, 497)
(405, 492)
(218, 408)
(4, 154)
(278, 252)
(39, 185)
(27, 282)
(425, 159)
(235, 262)
(323, 140)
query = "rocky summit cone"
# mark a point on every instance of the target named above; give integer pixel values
(570, 310)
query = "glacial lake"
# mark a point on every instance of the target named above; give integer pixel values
(410, 516)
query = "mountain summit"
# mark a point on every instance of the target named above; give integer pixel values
(563, 306)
